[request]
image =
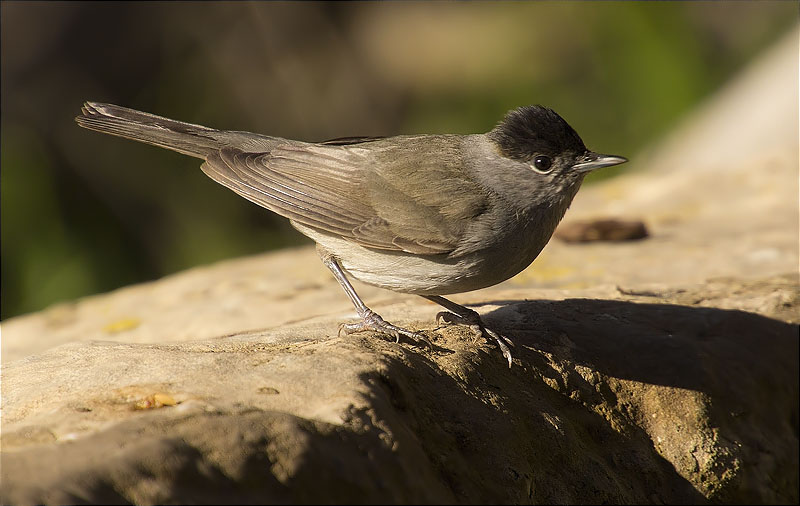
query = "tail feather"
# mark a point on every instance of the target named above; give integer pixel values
(186, 138)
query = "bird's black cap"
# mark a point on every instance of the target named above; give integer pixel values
(533, 130)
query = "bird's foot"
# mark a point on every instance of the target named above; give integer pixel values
(371, 320)
(473, 320)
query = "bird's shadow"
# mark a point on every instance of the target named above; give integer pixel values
(688, 347)
(509, 435)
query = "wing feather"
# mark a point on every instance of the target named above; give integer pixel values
(374, 197)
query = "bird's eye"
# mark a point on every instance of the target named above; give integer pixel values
(542, 164)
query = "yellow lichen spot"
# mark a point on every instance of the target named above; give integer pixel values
(154, 401)
(146, 403)
(122, 325)
(164, 400)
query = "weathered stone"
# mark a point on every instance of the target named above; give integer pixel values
(656, 371)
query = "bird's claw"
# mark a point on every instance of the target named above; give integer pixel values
(373, 321)
(474, 322)
(448, 318)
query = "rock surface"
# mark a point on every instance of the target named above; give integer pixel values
(659, 370)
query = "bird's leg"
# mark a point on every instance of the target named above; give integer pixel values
(370, 320)
(456, 313)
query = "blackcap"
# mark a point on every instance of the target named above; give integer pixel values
(423, 214)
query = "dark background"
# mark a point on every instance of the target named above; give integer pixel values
(84, 213)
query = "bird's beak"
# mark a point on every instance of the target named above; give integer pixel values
(591, 161)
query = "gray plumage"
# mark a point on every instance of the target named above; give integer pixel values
(423, 214)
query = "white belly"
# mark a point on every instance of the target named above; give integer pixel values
(427, 274)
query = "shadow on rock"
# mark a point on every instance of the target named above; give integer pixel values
(628, 402)
(697, 348)
(494, 436)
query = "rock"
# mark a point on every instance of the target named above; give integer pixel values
(602, 229)
(657, 371)
(634, 398)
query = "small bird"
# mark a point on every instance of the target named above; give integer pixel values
(429, 215)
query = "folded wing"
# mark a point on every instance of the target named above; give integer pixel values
(385, 195)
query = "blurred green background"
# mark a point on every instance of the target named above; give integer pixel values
(85, 213)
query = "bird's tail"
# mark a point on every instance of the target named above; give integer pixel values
(186, 138)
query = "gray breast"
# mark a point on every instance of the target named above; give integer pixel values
(434, 274)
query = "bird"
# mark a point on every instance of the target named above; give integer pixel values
(426, 214)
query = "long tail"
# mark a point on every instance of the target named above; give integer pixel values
(186, 138)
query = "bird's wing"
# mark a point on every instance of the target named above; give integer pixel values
(346, 141)
(381, 196)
